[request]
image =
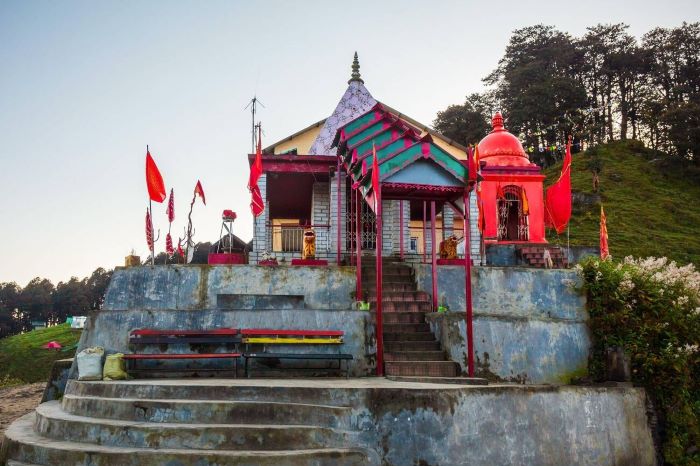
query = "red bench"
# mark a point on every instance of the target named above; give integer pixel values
(182, 337)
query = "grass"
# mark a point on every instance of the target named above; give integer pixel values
(23, 360)
(652, 203)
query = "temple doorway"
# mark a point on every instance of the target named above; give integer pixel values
(512, 222)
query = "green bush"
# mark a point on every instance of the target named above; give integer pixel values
(651, 308)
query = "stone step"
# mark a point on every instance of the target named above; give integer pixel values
(213, 389)
(388, 287)
(409, 317)
(371, 276)
(52, 422)
(415, 356)
(422, 368)
(24, 445)
(409, 336)
(405, 328)
(206, 411)
(389, 269)
(394, 346)
(399, 296)
(415, 306)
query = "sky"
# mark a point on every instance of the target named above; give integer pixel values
(85, 86)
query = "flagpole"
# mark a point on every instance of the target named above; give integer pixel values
(150, 211)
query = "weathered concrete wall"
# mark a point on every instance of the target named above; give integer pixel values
(529, 324)
(188, 287)
(492, 426)
(110, 330)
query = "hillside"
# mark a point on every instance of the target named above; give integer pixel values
(652, 204)
(22, 358)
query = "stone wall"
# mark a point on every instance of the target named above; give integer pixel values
(529, 324)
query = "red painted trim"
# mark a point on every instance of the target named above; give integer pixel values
(183, 356)
(337, 173)
(299, 333)
(401, 229)
(468, 285)
(358, 245)
(152, 332)
(380, 324)
(434, 256)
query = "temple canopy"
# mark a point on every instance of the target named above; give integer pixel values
(411, 166)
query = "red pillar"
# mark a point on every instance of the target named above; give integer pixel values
(337, 174)
(401, 229)
(380, 326)
(468, 285)
(425, 236)
(434, 257)
(358, 243)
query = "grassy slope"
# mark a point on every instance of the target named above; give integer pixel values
(653, 207)
(22, 356)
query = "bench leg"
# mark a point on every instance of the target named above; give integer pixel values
(247, 373)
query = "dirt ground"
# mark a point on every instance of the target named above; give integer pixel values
(17, 401)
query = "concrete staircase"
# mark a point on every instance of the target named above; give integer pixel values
(179, 424)
(533, 256)
(410, 347)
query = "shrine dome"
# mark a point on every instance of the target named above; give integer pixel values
(501, 148)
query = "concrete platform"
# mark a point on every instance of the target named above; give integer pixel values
(332, 421)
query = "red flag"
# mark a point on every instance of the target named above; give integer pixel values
(481, 220)
(154, 181)
(149, 230)
(558, 200)
(257, 205)
(199, 191)
(170, 211)
(375, 177)
(473, 155)
(604, 252)
(169, 245)
(256, 169)
(180, 252)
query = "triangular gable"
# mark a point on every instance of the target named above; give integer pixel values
(355, 102)
(424, 172)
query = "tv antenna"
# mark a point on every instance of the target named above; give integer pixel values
(253, 104)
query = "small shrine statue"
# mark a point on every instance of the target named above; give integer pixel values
(309, 251)
(448, 248)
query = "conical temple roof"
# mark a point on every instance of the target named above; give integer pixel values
(355, 102)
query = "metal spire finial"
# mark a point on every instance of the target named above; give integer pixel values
(355, 76)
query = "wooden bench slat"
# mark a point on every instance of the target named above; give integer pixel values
(148, 340)
(182, 356)
(268, 331)
(216, 331)
(297, 356)
(293, 341)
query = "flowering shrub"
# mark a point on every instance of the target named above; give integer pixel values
(651, 308)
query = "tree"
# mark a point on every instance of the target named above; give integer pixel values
(36, 299)
(466, 123)
(538, 84)
(10, 321)
(97, 287)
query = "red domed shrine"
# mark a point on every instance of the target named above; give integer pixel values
(512, 189)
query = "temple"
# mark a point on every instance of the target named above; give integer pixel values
(309, 178)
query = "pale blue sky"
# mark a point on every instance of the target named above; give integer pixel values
(85, 85)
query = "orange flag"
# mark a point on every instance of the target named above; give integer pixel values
(154, 181)
(558, 200)
(526, 204)
(604, 252)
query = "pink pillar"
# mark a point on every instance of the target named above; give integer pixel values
(401, 229)
(358, 244)
(337, 174)
(425, 237)
(434, 257)
(468, 285)
(380, 326)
